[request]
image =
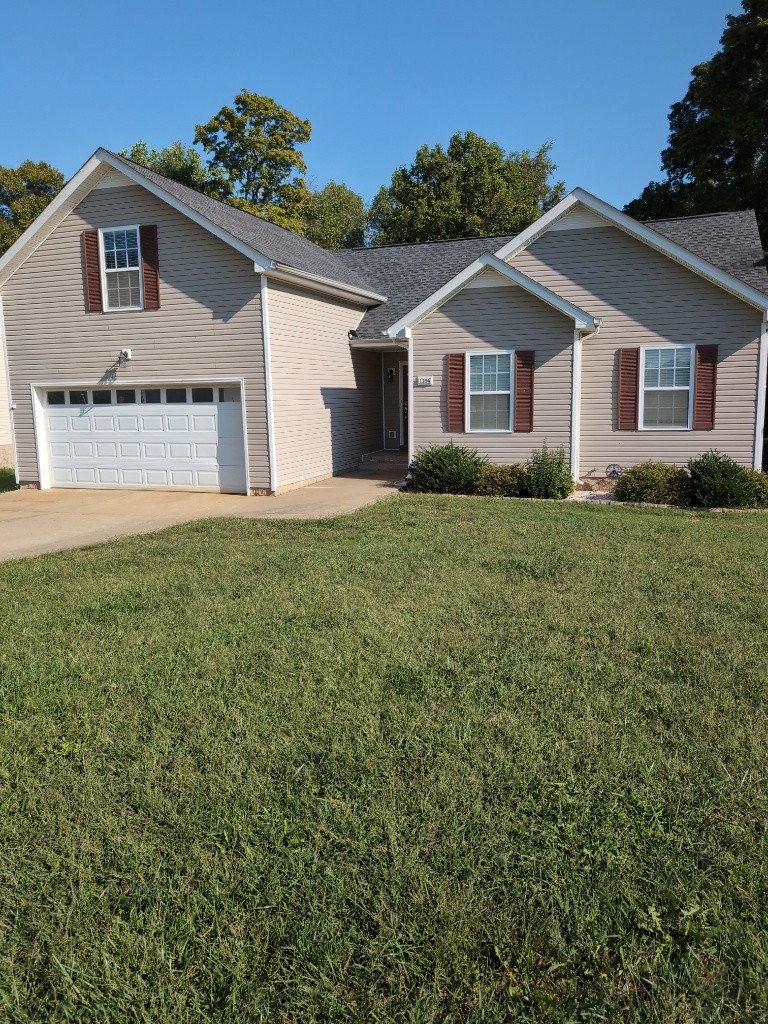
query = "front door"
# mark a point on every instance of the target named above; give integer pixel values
(404, 391)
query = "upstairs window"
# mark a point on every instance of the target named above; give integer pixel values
(121, 263)
(666, 392)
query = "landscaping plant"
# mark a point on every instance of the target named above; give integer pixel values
(548, 474)
(654, 482)
(718, 481)
(445, 469)
(501, 481)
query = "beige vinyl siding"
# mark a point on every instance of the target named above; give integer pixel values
(646, 298)
(208, 326)
(492, 319)
(326, 397)
(5, 401)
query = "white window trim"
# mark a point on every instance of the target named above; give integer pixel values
(468, 393)
(641, 388)
(103, 268)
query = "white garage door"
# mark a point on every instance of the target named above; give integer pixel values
(184, 437)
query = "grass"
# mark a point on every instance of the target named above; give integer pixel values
(452, 760)
(7, 479)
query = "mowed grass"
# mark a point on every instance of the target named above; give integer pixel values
(443, 760)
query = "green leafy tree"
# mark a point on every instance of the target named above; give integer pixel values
(255, 144)
(471, 188)
(335, 217)
(717, 157)
(25, 191)
(183, 164)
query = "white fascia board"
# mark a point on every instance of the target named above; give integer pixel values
(639, 231)
(582, 321)
(282, 272)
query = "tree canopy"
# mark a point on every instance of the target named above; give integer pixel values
(717, 157)
(25, 191)
(471, 188)
(255, 145)
(335, 217)
(183, 164)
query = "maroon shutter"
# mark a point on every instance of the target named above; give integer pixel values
(454, 389)
(704, 387)
(92, 271)
(629, 381)
(524, 364)
(150, 266)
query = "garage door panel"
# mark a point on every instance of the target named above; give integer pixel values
(176, 445)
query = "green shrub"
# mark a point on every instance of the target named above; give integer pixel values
(655, 482)
(445, 469)
(548, 474)
(718, 481)
(501, 481)
(758, 486)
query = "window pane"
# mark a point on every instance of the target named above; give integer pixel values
(176, 395)
(56, 398)
(102, 397)
(489, 373)
(151, 396)
(126, 396)
(666, 408)
(202, 394)
(78, 398)
(682, 367)
(489, 412)
(229, 394)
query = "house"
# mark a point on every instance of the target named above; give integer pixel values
(155, 337)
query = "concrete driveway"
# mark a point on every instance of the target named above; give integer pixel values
(34, 522)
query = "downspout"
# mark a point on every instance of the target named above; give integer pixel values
(411, 410)
(11, 406)
(578, 341)
(268, 384)
(762, 379)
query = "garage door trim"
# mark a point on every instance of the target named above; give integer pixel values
(39, 408)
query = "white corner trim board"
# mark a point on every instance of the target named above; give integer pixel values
(762, 382)
(576, 406)
(271, 447)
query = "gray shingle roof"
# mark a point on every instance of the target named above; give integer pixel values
(729, 240)
(408, 274)
(274, 242)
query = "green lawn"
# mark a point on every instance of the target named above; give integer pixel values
(443, 760)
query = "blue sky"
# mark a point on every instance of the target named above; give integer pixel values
(596, 77)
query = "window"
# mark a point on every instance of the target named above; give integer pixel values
(665, 395)
(151, 396)
(125, 396)
(56, 398)
(229, 394)
(490, 391)
(78, 398)
(176, 395)
(102, 398)
(202, 394)
(121, 262)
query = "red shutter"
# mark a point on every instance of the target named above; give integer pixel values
(524, 364)
(150, 266)
(454, 389)
(704, 387)
(629, 381)
(92, 271)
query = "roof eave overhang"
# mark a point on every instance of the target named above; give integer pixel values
(289, 275)
(637, 230)
(379, 344)
(582, 320)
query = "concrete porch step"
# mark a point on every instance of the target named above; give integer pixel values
(391, 459)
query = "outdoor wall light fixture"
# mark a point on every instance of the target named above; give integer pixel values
(391, 375)
(124, 357)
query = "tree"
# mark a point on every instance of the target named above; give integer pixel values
(255, 145)
(335, 217)
(25, 191)
(717, 157)
(471, 188)
(183, 164)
